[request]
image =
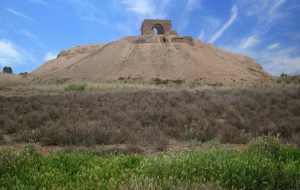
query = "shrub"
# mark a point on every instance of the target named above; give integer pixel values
(282, 75)
(1, 137)
(231, 116)
(7, 70)
(30, 136)
(76, 87)
(268, 146)
(289, 79)
(23, 73)
(76, 134)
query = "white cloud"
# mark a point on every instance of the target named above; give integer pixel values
(12, 55)
(249, 42)
(190, 5)
(139, 7)
(21, 15)
(42, 2)
(227, 24)
(201, 35)
(138, 10)
(266, 12)
(193, 4)
(86, 10)
(146, 8)
(273, 46)
(274, 59)
(7, 49)
(50, 55)
(211, 24)
(280, 61)
(28, 34)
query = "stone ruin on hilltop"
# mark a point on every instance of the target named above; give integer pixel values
(162, 27)
(154, 30)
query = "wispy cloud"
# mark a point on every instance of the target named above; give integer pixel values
(19, 14)
(274, 59)
(190, 5)
(139, 7)
(29, 34)
(49, 56)
(42, 2)
(249, 42)
(280, 61)
(201, 35)
(146, 8)
(87, 10)
(193, 4)
(210, 25)
(137, 10)
(267, 13)
(226, 25)
(273, 46)
(12, 55)
(32, 36)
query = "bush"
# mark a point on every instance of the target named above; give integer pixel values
(76, 134)
(268, 145)
(146, 117)
(7, 70)
(1, 138)
(23, 74)
(282, 75)
(289, 79)
(76, 87)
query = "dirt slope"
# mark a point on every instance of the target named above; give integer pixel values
(131, 58)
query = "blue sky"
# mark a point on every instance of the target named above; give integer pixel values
(33, 31)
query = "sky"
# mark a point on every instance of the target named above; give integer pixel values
(34, 31)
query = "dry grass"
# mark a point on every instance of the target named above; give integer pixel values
(23, 86)
(8, 80)
(226, 114)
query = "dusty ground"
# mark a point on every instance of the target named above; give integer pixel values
(172, 147)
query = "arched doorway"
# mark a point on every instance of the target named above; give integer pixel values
(158, 29)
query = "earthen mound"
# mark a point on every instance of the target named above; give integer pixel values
(153, 57)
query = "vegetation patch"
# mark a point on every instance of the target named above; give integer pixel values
(76, 87)
(289, 79)
(266, 164)
(153, 117)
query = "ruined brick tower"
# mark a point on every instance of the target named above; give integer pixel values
(162, 26)
(160, 31)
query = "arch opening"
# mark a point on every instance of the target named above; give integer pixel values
(154, 31)
(157, 29)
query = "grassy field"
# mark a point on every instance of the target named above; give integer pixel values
(265, 164)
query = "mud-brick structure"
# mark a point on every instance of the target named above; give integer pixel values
(164, 34)
(162, 27)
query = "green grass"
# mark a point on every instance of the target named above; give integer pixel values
(266, 164)
(76, 87)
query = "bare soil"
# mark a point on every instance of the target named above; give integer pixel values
(126, 60)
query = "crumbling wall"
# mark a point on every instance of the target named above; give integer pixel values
(184, 39)
(162, 26)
